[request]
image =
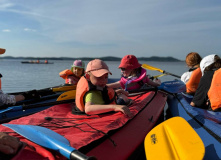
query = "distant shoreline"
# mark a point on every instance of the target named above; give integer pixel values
(107, 58)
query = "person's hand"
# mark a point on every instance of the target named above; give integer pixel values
(158, 81)
(122, 91)
(9, 144)
(124, 109)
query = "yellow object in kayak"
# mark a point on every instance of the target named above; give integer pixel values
(64, 88)
(174, 139)
(67, 95)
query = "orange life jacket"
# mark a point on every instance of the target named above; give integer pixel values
(214, 92)
(85, 86)
(67, 72)
(194, 81)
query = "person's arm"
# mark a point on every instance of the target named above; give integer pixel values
(8, 144)
(114, 85)
(19, 97)
(91, 108)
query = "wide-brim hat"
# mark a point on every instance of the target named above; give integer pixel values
(129, 62)
(97, 67)
(206, 61)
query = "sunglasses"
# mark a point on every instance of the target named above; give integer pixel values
(123, 69)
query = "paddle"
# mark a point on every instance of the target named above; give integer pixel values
(49, 139)
(147, 66)
(174, 139)
(52, 90)
(2, 50)
(67, 95)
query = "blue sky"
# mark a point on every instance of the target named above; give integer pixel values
(96, 28)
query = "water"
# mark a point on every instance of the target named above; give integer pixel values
(19, 77)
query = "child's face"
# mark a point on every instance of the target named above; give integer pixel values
(78, 71)
(99, 81)
(126, 72)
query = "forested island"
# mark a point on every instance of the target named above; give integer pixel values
(107, 58)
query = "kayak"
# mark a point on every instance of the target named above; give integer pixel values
(27, 62)
(48, 98)
(106, 136)
(16, 111)
(206, 123)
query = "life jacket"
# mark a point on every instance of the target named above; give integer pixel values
(134, 82)
(85, 86)
(214, 92)
(194, 81)
(67, 73)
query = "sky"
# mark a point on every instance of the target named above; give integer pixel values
(98, 28)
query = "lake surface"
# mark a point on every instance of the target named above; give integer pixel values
(19, 77)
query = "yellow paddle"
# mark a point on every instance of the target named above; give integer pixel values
(63, 88)
(2, 50)
(147, 66)
(174, 139)
(67, 95)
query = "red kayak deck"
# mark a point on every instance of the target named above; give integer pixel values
(83, 130)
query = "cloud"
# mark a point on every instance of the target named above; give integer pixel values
(29, 30)
(6, 30)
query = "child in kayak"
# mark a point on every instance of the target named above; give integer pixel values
(193, 76)
(133, 75)
(208, 93)
(92, 94)
(72, 76)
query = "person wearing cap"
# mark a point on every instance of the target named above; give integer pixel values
(72, 76)
(92, 94)
(133, 75)
(193, 76)
(208, 95)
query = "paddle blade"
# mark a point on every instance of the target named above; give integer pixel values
(48, 139)
(147, 66)
(64, 88)
(174, 139)
(67, 95)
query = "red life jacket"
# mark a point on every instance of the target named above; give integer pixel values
(194, 81)
(85, 86)
(214, 92)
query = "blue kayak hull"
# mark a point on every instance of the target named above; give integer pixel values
(14, 112)
(208, 129)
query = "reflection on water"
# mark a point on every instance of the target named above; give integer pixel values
(22, 77)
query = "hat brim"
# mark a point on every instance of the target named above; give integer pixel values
(130, 66)
(100, 72)
(77, 66)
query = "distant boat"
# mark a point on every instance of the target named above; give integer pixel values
(30, 62)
